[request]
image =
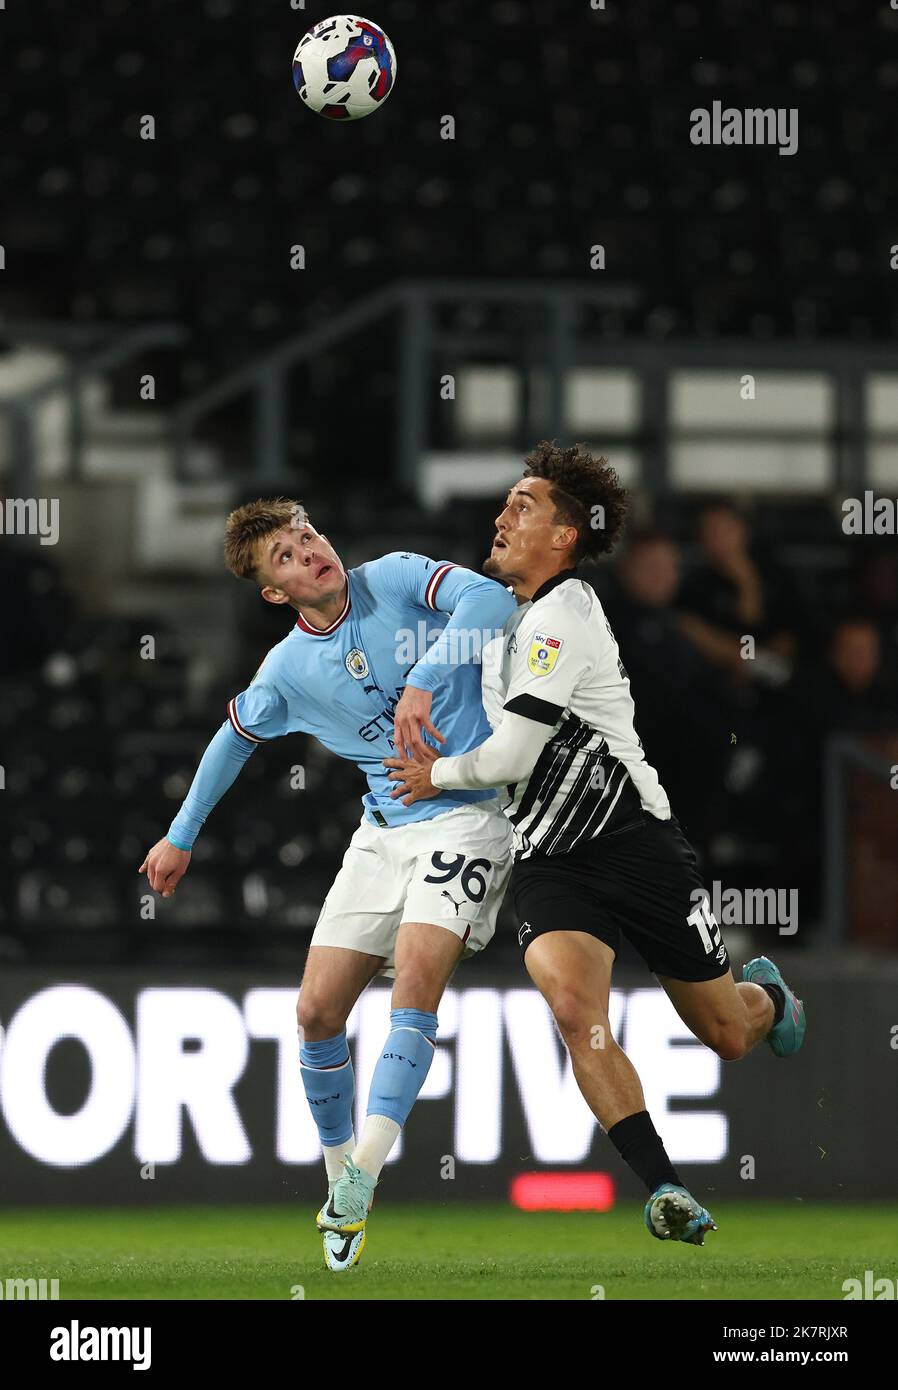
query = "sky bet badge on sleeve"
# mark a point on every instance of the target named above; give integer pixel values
(543, 654)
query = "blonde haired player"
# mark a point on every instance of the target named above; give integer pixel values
(342, 675)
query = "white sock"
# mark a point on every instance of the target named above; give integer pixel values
(378, 1137)
(333, 1157)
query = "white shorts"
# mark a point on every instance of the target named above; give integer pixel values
(451, 871)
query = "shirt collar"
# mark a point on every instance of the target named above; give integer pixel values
(326, 631)
(552, 583)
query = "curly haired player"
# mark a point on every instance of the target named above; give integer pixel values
(598, 854)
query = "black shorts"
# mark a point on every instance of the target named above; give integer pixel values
(642, 882)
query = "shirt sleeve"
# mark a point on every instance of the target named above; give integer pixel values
(415, 579)
(509, 755)
(256, 715)
(259, 713)
(478, 606)
(551, 659)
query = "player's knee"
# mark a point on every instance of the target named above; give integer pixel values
(316, 1017)
(575, 1015)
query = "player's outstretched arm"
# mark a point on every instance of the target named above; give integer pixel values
(167, 862)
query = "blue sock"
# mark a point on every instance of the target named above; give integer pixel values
(403, 1065)
(327, 1075)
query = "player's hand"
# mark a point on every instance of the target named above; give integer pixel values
(411, 716)
(165, 866)
(412, 778)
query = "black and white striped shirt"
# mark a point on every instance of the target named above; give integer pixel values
(557, 667)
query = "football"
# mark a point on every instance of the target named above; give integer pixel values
(344, 67)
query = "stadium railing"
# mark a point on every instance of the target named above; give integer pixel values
(85, 361)
(553, 331)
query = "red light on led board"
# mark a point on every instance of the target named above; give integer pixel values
(562, 1191)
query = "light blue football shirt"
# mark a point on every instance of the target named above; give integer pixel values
(407, 620)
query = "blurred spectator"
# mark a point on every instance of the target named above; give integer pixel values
(855, 693)
(729, 596)
(876, 590)
(847, 692)
(683, 705)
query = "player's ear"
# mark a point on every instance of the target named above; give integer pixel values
(567, 538)
(273, 595)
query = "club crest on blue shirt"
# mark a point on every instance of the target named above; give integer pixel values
(543, 653)
(357, 663)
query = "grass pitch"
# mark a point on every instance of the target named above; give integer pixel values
(762, 1250)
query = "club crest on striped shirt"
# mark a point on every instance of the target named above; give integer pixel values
(543, 653)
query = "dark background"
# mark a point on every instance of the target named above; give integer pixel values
(169, 258)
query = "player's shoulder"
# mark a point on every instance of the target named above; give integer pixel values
(568, 603)
(405, 578)
(563, 619)
(397, 562)
(277, 660)
(397, 567)
(261, 709)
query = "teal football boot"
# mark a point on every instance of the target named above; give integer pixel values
(786, 1036)
(672, 1213)
(342, 1252)
(349, 1201)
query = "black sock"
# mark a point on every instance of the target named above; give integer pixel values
(779, 1002)
(639, 1144)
